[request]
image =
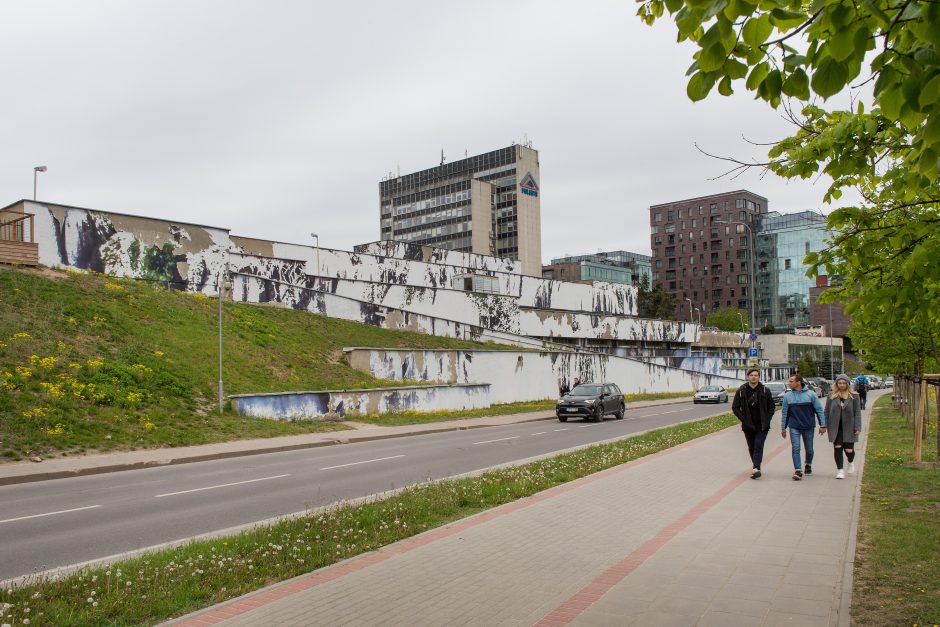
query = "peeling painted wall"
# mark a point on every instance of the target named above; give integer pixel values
(177, 254)
(528, 375)
(332, 404)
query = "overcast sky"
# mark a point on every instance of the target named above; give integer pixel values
(279, 118)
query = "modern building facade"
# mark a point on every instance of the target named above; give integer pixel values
(828, 315)
(703, 250)
(487, 204)
(617, 266)
(783, 289)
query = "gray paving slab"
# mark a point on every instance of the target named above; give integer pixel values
(681, 538)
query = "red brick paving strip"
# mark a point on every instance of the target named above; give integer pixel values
(565, 613)
(263, 597)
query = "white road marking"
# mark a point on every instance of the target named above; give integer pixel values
(497, 440)
(368, 461)
(565, 429)
(539, 433)
(223, 485)
(61, 511)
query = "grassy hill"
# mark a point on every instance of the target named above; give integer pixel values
(94, 363)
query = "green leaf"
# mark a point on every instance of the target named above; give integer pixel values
(842, 44)
(699, 86)
(927, 56)
(797, 85)
(930, 93)
(829, 78)
(734, 69)
(724, 87)
(757, 76)
(757, 30)
(785, 20)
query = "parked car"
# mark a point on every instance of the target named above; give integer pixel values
(876, 382)
(823, 387)
(592, 401)
(778, 389)
(889, 382)
(711, 394)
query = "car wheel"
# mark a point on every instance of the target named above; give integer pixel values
(563, 419)
(621, 411)
(726, 398)
(599, 413)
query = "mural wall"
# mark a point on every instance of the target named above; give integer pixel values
(338, 405)
(527, 375)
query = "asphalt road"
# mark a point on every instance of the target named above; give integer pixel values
(63, 522)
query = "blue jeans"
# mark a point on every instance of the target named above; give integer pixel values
(807, 436)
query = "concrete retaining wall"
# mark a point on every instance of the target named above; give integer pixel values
(334, 404)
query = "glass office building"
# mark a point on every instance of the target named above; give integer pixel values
(783, 241)
(616, 266)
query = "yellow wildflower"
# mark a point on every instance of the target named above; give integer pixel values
(94, 363)
(24, 372)
(21, 336)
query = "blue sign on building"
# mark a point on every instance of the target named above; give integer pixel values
(752, 352)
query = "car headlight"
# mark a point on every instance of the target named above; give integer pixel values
(590, 401)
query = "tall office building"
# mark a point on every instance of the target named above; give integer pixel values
(487, 204)
(783, 289)
(702, 250)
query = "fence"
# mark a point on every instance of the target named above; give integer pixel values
(910, 396)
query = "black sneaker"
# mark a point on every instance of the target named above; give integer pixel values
(807, 469)
(755, 474)
(797, 475)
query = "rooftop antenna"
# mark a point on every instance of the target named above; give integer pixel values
(442, 156)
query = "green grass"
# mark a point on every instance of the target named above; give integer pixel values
(173, 582)
(94, 363)
(897, 568)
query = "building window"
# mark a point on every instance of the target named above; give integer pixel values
(658, 217)
(786, 264)
(739, 203)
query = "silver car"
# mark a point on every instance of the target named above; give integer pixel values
(711, 394)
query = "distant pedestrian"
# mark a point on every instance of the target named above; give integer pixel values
(861, 386)
(564, 389)
(800, 407)
(754, 407)
(576, 382)
(844, 416)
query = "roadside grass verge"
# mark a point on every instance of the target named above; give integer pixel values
(897, 562)
(500, 409)
(96, 363)
(173, 582)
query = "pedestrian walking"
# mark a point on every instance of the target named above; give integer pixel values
(800, 407)
(861, 386)
(754, 407)
(844, 416)
(563, 389)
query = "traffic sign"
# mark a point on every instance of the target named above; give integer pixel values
(752, 351)
(753, 337)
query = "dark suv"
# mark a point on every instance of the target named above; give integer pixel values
(592, 401)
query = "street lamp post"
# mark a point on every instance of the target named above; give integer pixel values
(36, 171)
(690, 310)
(317, 240)
(832, 372)
(223, 283)
(751, 261)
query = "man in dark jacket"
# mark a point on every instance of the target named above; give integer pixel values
(754, 406)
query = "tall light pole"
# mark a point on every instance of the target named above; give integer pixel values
(690, 310)
(751, 262)
(317, 240)
(36, 171)
(223, 283)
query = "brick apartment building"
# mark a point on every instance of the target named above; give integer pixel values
(703, 250)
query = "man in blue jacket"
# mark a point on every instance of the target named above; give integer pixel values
(800, 407)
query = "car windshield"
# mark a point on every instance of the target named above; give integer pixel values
(776, 387)
(586, 390)
(710, 388)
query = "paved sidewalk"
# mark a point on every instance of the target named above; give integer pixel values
(22, 472)
(683, 537)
